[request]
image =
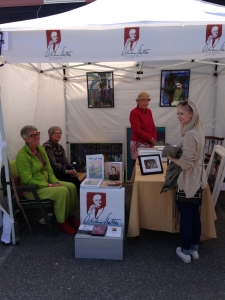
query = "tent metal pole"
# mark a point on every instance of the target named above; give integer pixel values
(66, 121)
(214, 104)
(5, 160)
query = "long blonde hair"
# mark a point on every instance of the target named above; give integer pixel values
(195, 121)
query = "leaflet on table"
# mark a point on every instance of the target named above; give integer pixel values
(95, 166)
(113, 170)
(113, 231)
(111, 184)
(85, 229)
(90, 183)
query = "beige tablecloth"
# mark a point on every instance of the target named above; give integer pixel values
(155, 211)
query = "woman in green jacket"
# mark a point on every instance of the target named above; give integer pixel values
(34, 168)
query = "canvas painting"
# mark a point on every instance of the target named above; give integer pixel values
(174, 87)
(100, 88)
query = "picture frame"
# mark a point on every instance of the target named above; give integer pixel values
(161, 141)
(100, 89)
(149, 151)
(113, 171)
(215, 171)
(150, 164)
(174, 87)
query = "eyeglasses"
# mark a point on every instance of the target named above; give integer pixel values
(184, 103)
(57, 132)
(35, 135)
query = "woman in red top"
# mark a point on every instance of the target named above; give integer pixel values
(142, 126)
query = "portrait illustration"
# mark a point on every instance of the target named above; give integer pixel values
(96, 203)
(53, 40)
(131, 37)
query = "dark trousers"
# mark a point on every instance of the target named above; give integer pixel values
(190, 226)
(74, 180)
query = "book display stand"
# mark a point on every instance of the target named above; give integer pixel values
(99, 247)
(102, 208)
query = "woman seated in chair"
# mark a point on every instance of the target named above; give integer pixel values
(59, 163)
(34, 168)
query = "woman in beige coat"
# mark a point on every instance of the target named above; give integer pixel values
(191, 178)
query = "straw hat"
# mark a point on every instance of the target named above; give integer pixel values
(143, 96)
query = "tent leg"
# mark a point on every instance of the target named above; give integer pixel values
(5, 160)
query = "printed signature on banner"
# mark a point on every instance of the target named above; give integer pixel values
(108, 221)
(53, 55)
(131, 54)
(210, 51)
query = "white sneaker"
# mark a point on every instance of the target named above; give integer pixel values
(194, 254)
(185, 257)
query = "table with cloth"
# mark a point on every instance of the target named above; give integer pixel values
(155, 211)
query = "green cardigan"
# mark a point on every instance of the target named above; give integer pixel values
(30, 168)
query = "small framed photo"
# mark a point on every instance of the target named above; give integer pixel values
(113, 171)
(174, 87)
(150, 164)
(100, 88)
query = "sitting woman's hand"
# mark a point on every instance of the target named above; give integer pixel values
(72, 173)
(56, 184)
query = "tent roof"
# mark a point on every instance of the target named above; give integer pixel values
(120, 13)
(100, 31)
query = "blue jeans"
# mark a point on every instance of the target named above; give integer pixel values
(190, 227)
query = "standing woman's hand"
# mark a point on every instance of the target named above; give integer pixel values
(153, 141)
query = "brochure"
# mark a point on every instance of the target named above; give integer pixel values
(85, 229)
(91, 183)
(113, 231)
(111, 184)
(95, 166)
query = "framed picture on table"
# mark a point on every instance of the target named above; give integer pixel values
(100, 87)
(215, 171)
(150, 164)
(161, 141)
(174, 87)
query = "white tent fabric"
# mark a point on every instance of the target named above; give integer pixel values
(35, 93)
(175, 29)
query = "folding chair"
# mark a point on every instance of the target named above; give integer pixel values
(23, 204)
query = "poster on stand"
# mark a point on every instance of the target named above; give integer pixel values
(102, 206)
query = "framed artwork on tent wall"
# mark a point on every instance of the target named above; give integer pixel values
(174, 87)
(215, 171)
(100, 89)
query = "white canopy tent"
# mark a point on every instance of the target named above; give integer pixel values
(45, 85)
(171, 35)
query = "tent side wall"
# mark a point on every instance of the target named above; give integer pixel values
(32, 98)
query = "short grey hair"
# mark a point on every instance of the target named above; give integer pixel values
(24, 132)
(53, 129)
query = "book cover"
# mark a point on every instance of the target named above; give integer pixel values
(91, 183)
(95, 166)
(113, 171)
(99, 230)
(113, 231)
(111, 184)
